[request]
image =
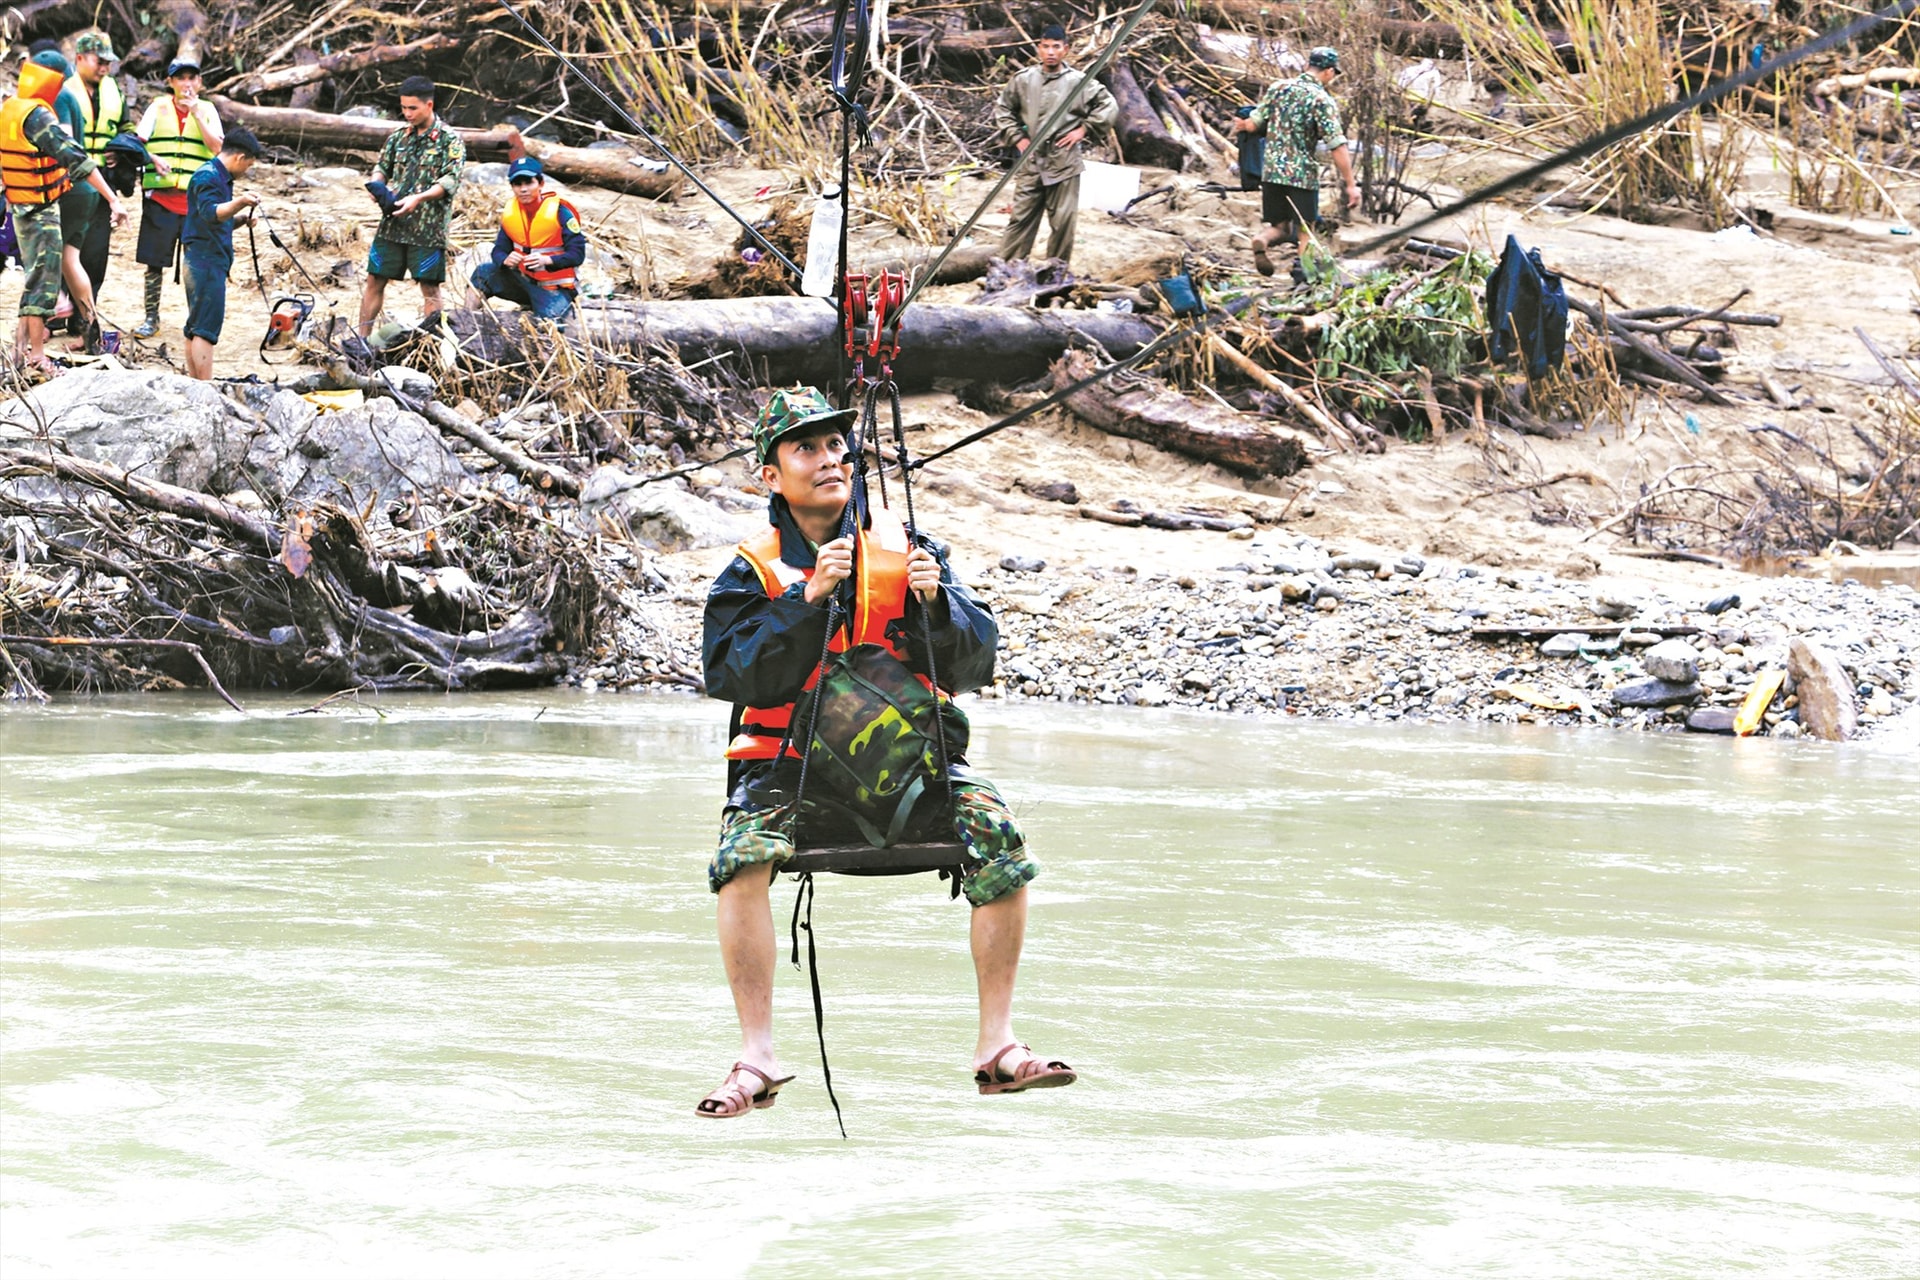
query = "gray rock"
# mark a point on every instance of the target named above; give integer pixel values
(1710, 720)
(1411, 565)
(1639, 639)
(1788, 730)
(166, 427)
(1152, 695)
(378, 451)
(1565, 645)
(1022, 564)
(1720, 604)
(486, 173)
(1618, 608)
(662, 516)
(1357, 560)
(1826, 695)
(1672, 660)
(411, 383)
(1654, 693)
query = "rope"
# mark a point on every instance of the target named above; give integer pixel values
(805, 894)
(1621, 132)
(646, 133)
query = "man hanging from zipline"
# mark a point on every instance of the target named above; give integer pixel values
(766, 629)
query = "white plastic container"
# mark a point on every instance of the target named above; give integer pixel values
(823, 246)
(1108, 186)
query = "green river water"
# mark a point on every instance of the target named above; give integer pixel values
(433, 994)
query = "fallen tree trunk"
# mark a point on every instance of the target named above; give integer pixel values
(378, 55)
(187, 22)
(1143, 138)
(788, 338)
(1409, 39)
(614, 170)
(1141, 410)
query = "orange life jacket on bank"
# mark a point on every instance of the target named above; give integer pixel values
(879, 600)
(30, 177)
(541, 233)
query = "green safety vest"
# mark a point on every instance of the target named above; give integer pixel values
(183, 149)
(109, 120)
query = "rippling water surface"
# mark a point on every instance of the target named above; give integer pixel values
(433, 992)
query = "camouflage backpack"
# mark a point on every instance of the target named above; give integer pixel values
(875, 743)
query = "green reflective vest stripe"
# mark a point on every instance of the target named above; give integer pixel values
(111, 118)
(183, 149)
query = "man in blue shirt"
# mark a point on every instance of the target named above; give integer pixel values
(536, 250)
(206, 244)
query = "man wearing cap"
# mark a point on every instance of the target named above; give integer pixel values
(93, 110)
(206, 244)
(1297, 116)
(536, 251)
(419, 171)
(39, 164)
(765, 625)
(1049, 181)
(182, 132)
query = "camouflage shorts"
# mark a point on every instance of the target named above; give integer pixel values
(750, 836)
(37, 227)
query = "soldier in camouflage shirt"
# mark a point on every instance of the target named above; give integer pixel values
(1297, 116)
(420, 169)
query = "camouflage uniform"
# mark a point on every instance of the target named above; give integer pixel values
(758, 650)
(1298, 115)
(37, 226)
(413, 161)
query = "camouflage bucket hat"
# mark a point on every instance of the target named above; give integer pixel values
(789, 410)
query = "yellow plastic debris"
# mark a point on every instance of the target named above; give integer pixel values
(1560, 700)
(335, 401)
(1759, 698)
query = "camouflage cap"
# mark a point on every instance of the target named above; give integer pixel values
(94, 42)
(791, 409)
(1321, 57)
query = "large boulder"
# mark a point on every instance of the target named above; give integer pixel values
(186, 433)
(1825, 692)
(660, 514)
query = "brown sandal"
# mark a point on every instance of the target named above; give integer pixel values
(1031, 1074)
(1261, 262)
(733, 1099)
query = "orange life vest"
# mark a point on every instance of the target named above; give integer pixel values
(879, 600)
(542, 232)
(31, 178)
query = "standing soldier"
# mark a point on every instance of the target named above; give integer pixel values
(420, 168)
(93, 110)
(182, 132)
(1297, 116)
(1050, 181)
(40, 163)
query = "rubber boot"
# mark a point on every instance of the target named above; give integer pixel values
(151, 325)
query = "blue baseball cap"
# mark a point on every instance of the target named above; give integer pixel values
(525, 167)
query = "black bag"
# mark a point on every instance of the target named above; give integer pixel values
(1253, 156)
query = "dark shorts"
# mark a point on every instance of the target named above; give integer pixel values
(159, 232)
(78, 208)
(206, 297)
(1281, 204)
(393, 260)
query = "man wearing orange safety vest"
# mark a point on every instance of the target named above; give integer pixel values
(40, 163)
(536, 251)
(765, 626)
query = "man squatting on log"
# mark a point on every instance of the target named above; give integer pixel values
(39, 164)
(183, 133)
(206, 244)
(419, 170)
(536, 250)
(766, 621)
(1050, 182)
(1297, 116)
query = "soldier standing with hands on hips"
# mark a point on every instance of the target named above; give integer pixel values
(1049, 183)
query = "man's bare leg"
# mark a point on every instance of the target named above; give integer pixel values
(79, 287)
(999, 931)
(429, 302)
(749, 951)
(372, 298)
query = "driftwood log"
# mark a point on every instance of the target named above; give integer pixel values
(320, 68)
(188, 24)
(614, 170)
(1144, 140)
(1408, 38)
(1140, 410)
(788, 338)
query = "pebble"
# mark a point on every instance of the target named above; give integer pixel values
(1672, 660)
(1565, 645)
(1654, 692)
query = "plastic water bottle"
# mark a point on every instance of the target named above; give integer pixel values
(823, 246)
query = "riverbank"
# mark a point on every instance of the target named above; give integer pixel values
(1294, 625)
